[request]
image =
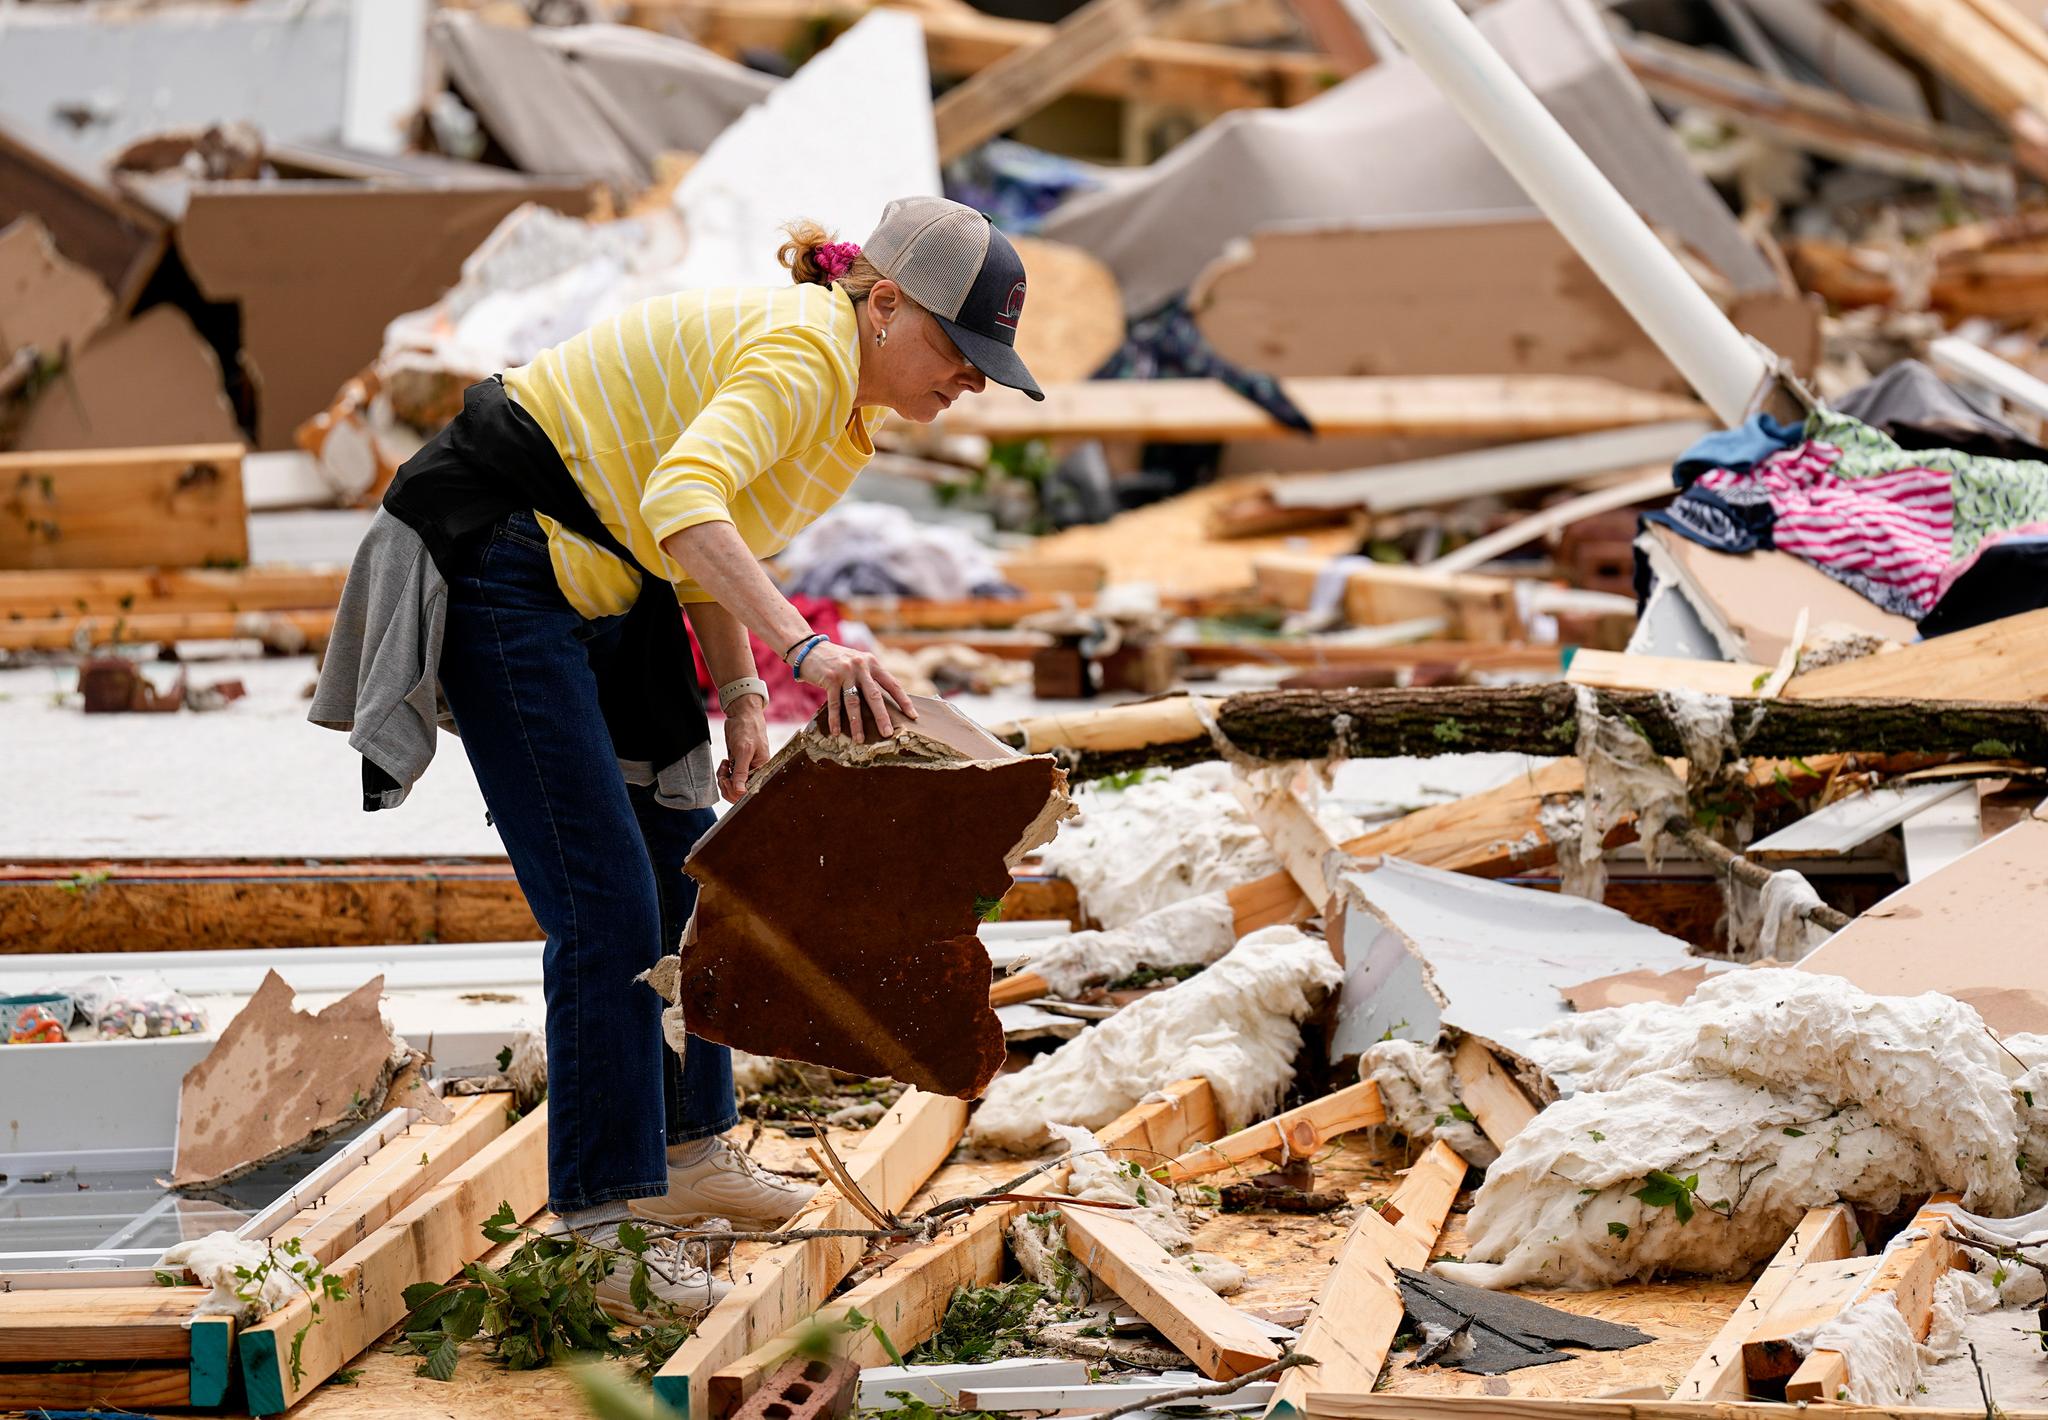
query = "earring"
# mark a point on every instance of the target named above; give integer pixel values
(881, 335)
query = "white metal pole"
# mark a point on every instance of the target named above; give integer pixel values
(1715, 357)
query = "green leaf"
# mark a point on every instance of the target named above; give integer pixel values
(632, 1238)
(1790, 1133)
(1596, 1136)
(465, 1316)
(505, 1058)
(440, 1365)
(429, 1302)
(1458, 1111)
(1619, 1230)
(1664, 1190)
(641, 1290)
(501, 1226)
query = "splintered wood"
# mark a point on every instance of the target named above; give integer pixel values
(839, 902)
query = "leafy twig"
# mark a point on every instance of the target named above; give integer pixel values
(1198, 1392)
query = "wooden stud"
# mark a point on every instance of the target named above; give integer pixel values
(167, 507)
(120, 593)
(287, 630)
(1359, 1309)
(1292, 1134)
(1222, 1341)
(1490, 1092)
(1025, 80)
(1304, 846)
(2003, 660)
(909, 1299)
(211, 1371)
(1823, 1235)
(1907, 1275)
(429, 1241)
(144, 1388)
(1815, 1295)
(1474, 608)
(1209, 78)
(96, 1324)
(1612, 670)
(788, 1282)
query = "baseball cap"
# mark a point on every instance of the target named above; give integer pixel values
(952, 261)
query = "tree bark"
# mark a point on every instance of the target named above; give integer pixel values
(1543, 720)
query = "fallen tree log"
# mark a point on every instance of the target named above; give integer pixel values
(1279, 725)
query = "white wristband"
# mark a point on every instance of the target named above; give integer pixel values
(739, 689)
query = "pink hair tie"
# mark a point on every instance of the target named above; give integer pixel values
(835, 259)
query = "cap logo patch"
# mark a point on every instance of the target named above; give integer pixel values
(1012, 308)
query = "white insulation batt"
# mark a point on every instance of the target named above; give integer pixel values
(1192, 932)
(1782, 1091)
(216, 1259)
(1134, 850)
(1237, 1024)
(1420, 1095)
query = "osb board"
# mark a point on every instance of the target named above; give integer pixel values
(1168, 544)
(1077, 311)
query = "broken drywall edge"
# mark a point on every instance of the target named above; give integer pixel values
(1780, 1090)
(1238, 1024)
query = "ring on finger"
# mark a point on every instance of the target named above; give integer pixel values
(852, 692)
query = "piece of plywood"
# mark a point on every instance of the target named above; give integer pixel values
(1221, 1341)
(1452, 295)
(1628, 988)
(1616, 670)
(1077, 315)
(839, 901)
(1823, 1235)
(432, 1239)
(1953, 932)
(1358, 1311)
(787, 1283)
(47, 302)
(315, 1074)
(2005, 659)
(908, 1300)
(1205, 411)
(1500, 1106)
(171, 507)
(1027, 79)
(1292, 1134)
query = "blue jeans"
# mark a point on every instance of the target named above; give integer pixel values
(600, 863)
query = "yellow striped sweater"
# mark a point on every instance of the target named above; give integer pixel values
(731, 405)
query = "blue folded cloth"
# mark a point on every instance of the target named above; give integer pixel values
(1740, 448)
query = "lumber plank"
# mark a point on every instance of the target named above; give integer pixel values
(286, 630)
(1027, 79)
(1823, 1235)
(1208, 78)
(908, 1300)
(2004, 660)
(1304, 846)
(104, 907)
(1477, 608)
(104, 592)
(1221, 1341)
(1816, 1294)
(1053, 575)
(110, 1388)
(210, 1374)
(1490, 1092)
(1359, 1308)
(430, 1240)
(96, 1324)
(918, 614)
(1295, 1133)
(177, 506)
(1206, 411)
(1974, 54)
(1614, 670)
(390, 1179)
(1907, 1275)
(1646, 486)
(786, 1283)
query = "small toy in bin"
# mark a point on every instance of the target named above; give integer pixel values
(35, 1024)
(141, 1017)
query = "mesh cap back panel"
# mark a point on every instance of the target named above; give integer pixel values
(932, 248)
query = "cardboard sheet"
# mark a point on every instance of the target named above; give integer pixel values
(46, 301)
(147, 383)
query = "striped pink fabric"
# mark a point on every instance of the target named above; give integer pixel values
(1892, 528)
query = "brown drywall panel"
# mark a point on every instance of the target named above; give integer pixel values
(320, 268)
(119, 241)
(46, 300)
(149, 382)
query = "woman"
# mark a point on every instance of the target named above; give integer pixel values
(525, 558)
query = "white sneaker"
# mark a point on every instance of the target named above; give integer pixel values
(726, 1183)
(676, 1283)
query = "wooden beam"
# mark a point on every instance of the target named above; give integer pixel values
(1359, 1308)
(1490, 1092)
(1052, 575)
(1208, 78)
(430, 1240)
(1295, 1133)
(1646, 487)
(122, 1388)
(909, 1299)
(1613, 670)
(1476, 608)
(1816, 1295)
(118, 593)
(1305, 847)
(102, 906)
(96, 1324)
(1823, 1235)
(2005, 660)
(284, 630)
(1907, 1275)
(788, 1282)
(1222, 1341)
(1978, 57)
(1027, 79)
(1206, 411)
(179, 506)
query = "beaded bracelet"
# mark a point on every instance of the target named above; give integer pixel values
(797, 646)
(796, 667)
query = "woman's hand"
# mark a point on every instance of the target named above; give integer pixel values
(746, 746)
(850, 678)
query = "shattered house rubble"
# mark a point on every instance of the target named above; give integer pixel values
(1476, 823)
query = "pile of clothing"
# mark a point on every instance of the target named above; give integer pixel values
(1925, 504)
